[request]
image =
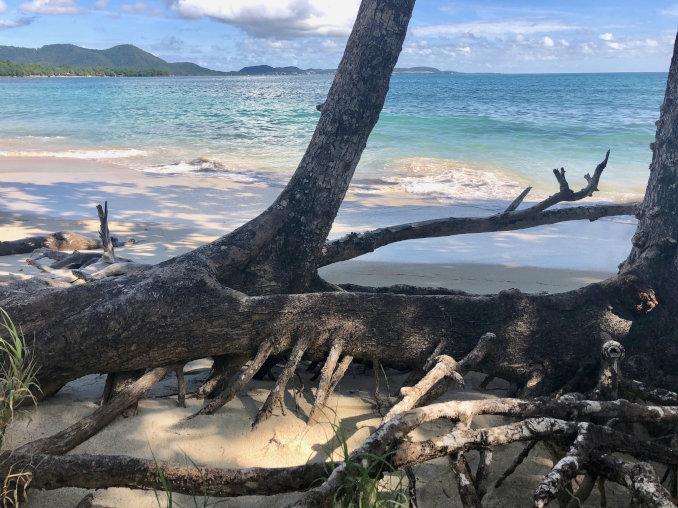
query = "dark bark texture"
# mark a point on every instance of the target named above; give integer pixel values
(255, 294)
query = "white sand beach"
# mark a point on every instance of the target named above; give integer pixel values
(169, 215)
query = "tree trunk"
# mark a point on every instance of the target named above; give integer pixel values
(251, 293)
(192, 306)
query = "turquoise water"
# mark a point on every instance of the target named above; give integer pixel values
(445, 136)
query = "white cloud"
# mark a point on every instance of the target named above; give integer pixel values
(651, 42)
(3, 6)
(614, 45)
(548, 42)
(136, 8)
(672, 11)
(50, 7)
(283, 18)
(101, 4)
(606, 36)
(510, 26)
(564, 43)
(6, 24)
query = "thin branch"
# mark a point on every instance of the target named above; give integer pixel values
(516, 202)
(357, 244)
(567, 468)
(520, 458)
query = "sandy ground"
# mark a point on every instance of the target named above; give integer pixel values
(170, 215)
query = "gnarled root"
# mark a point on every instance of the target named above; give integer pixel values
(277, 394)
(330, 375)
(238, 383)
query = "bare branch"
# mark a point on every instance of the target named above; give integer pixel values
(639, 478)
(516, 202)
(357, 244)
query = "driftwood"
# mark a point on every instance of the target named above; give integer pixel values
(87, 266)
(60, 241)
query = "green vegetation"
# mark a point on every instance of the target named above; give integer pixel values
(12, 69)
(17, 371)
(200, 499)
(122, 57)
(363, 485)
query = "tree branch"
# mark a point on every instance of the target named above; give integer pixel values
(357, 244)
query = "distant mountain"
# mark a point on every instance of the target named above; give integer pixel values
(124, 56)
(267, 70)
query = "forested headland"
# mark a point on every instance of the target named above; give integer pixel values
(11, 69)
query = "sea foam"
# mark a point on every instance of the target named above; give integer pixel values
(444, 178)
(203, 166)
(76, 154)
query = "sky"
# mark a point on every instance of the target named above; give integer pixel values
(517, 36)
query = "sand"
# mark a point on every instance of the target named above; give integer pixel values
(169, 215)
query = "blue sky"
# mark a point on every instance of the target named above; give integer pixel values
(471, 36)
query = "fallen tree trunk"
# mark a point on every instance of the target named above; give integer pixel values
(203, 318)
(60, 241)
(251, 291)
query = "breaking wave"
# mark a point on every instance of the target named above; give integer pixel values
(76, 154)
(203, 166)
(442, 178)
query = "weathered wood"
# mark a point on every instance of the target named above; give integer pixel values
(565, 470)
(357, 244)
(239, 382)
(59, 241)
(638, 477)
(181, 386)
(323, 391)
(445, 367)
(222, 370)
(105, 235)
(465, 485)
(116, 383)
(64, 441)
(277, 394)
(105, 471)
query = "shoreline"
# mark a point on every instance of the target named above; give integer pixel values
(51, 190)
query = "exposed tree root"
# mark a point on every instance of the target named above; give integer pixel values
(181, 386)
(277, 395)
(323, 392)
(465, 484)
(64, 441)
(223, 369)
(116, 383)
(639, 477)
(239, 382)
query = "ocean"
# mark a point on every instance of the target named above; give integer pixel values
(451, 138)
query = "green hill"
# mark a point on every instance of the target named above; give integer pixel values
(124, 56)
(267, 70)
